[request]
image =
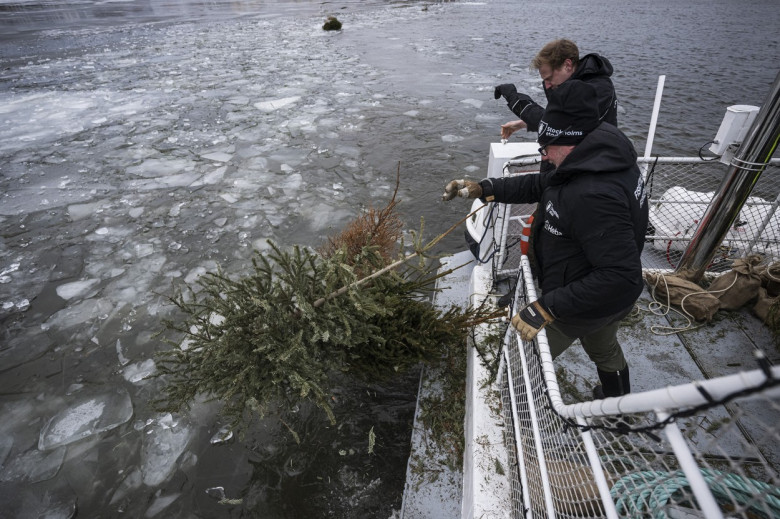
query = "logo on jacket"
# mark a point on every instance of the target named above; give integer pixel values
(549, 209)
(552, 230)
(639, 192)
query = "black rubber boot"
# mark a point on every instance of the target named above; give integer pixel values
(613, 383)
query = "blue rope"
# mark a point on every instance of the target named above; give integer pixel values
(650, 491)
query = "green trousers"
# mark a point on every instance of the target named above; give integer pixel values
(601, 345)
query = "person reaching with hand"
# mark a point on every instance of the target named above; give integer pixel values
(589, 230)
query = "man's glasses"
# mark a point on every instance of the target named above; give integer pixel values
(543, 148)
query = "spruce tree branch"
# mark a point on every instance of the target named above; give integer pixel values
(321, 301)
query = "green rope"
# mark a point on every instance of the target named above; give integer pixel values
(650, 491)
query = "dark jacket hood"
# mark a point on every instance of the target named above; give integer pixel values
(606, 149)
(592, 65)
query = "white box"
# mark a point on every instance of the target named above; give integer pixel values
(734, 127)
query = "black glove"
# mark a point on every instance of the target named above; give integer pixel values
(531, 319)
(514, 100)
(506, 90)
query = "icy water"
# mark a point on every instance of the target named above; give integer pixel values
(143, 143)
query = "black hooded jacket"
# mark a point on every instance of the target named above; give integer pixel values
(590, 226)
(594, 70)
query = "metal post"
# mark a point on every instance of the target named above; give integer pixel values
(744, 171)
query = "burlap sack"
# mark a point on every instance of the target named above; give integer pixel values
(770, 278)
(688, 296)
(764, 308)
(740, 285)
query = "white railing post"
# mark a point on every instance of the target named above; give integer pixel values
(699, 487)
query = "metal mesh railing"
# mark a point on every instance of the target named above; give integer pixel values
(709, 449)
(679, 190)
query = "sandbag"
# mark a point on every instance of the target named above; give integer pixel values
(770, 278)
(740, 285)
(764, 308)
(692, 299)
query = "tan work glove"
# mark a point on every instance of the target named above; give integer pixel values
(532, 318)
(463, 189)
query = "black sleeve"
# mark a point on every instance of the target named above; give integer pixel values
(520, 189)
(531, 115)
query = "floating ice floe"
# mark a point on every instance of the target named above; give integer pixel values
(86, 417)
(223, 435)
(76, 288)
(32, 466)
(473, 102)
(120, 353)
(160, 503)
(132, 481)
(78, 314)
(136, 373)
(163, 445)
(451, 138)
(218, 156)
(276, 104)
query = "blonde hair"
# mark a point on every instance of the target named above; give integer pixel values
(556, 53)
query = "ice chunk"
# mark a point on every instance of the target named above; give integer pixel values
(163, 444)
(276, 104)
(473, 102)
(22, 349)
(33, 466)
(132, 482)
(136, 373)
(156, 168)
(143, 250)
(135, 212)
(218, 156)
(81, 211)
(88, 416)
(120, 353)
(4, 277)
(40, 504)
(292, 184)
(211, 178)
(76, 288)
(161, 503)
(451, 138)
(223, 435)
(78, 314)
(217, 493)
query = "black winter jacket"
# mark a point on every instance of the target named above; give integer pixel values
(594, 70)
(589, 228)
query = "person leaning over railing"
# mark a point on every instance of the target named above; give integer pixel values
(557, 62)
(590, 230)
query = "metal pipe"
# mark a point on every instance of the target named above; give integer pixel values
(598, 470)
(690, 468)
(537, 435)
(516, 429)
(654, 117)
(744, 171)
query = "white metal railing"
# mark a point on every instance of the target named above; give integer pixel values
(643, 454)
(627, 456)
